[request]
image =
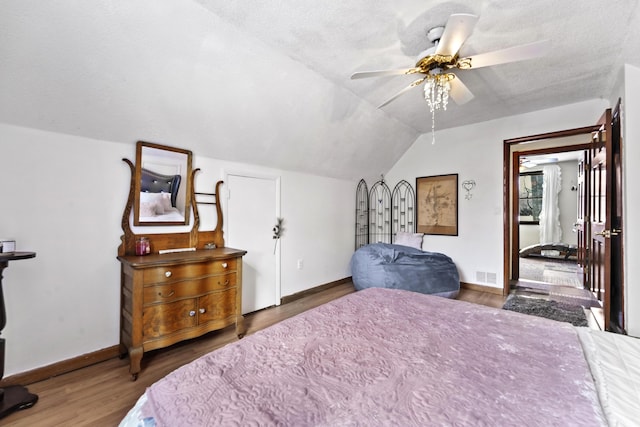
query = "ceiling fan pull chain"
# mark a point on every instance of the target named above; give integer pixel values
(433, 127)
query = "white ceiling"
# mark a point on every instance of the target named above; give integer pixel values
(267, 82)
(569, 156)
(588, 39)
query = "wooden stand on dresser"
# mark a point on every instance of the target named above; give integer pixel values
(176, 296)
(171, 297)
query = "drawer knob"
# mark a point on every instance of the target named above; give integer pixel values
(167, 273)
(202, 310)
(225, 265)
(226, 283)
(192, 313)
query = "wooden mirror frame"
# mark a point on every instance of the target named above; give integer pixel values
(195, 238)
(171, 168)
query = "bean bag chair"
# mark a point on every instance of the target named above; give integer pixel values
(383, 265)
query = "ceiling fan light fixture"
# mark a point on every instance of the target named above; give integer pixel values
(434, 62)
(436, 93)
(436, 90)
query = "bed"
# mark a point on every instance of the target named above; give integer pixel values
(395, 357)
(398, 266)
(158, 197)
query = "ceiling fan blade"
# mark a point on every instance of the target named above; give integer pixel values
(459, 91)
(403, 91)
(378, 73)
(511, 54)
(459, 27)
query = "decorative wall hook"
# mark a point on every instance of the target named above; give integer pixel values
(468, 185)
(277, 232)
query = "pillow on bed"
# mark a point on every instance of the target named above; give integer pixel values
(147, 209)
(152, 199)
(413, 240)
(166, 201)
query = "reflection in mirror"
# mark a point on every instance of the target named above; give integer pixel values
(163, 185)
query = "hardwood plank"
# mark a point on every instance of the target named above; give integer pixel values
(481, 288)
(102, 394)
(490, 299)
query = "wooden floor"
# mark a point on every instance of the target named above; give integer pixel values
(101, 395)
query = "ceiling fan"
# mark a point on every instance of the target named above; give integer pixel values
(436, 62)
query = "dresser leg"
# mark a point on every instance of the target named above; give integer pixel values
(240, 327)
(135, 357)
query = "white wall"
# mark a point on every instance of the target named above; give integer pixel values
(631, 228)
(475, 152)
(529, 235)
(63, 198)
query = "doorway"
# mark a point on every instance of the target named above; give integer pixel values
(537, 243)
(599, 221)
(548, 209)
(253, 204)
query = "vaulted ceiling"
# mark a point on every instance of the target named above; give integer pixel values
(267, 82)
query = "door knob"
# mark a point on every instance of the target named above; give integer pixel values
(608, 233)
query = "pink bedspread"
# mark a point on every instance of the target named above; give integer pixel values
(388, 357)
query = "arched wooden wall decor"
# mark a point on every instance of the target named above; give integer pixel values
(380, 213)
(403, 212)
(362, 214)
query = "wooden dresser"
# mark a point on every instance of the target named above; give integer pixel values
(166, 298)
(176, 295)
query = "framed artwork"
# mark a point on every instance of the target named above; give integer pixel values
(437, 200)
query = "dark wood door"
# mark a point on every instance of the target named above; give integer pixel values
(605, 215)
(616, 300)
(599, 245)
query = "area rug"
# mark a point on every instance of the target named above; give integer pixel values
(553, 310)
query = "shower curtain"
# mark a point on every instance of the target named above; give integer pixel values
(550, 230)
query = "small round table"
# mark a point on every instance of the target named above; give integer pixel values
(12, 397)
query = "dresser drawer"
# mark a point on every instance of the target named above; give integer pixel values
(217, 305)
(187, 271)
(188, 288)
(163, 319)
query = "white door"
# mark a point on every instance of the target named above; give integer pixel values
(251, 214)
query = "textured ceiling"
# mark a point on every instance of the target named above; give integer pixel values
(588, 39)
(267, 82)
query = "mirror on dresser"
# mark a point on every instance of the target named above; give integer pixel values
(172, 183)
(162, 185)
